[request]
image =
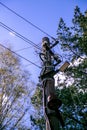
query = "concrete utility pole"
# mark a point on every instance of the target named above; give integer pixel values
(51, 103)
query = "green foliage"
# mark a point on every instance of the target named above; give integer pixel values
(73, 42)
(38, 119)
(74, 38)
(37, 98)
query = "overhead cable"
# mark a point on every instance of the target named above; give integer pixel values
(20, 36)
(20, 56)
(22, 49)
(27, 20)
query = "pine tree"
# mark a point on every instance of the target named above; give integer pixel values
(73, 41)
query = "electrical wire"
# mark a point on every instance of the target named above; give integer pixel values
(26, 20)
(20, 56)
(23, 38)
(19, 35)
(23, 49)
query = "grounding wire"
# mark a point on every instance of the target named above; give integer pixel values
(26, 20)
(19, 35)
(20, 56)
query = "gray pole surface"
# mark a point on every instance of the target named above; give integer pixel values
(50, 102)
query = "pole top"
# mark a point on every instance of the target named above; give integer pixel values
(45, 41)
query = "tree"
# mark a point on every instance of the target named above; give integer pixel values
(37, 100)
(73, 42)
(74, 39)
(14, 90)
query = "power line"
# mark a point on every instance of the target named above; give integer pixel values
(19, 35)
(20, 56)
(26, 20)
(22, 49)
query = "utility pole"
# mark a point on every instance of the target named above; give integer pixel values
(51, 103)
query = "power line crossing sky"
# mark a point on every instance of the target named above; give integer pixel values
(43, 14)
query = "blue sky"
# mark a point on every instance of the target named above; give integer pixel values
(43, 13)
